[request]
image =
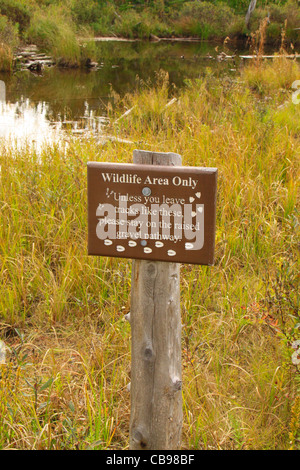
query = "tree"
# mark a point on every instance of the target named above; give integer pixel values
(250, 11)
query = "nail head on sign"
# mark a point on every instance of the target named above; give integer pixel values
(143, 242)
(146, 191)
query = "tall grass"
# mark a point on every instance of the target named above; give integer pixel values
(62, 312)
(6, 58)
(54, 32)
(8, 42)
(204, 20)
(209, 19)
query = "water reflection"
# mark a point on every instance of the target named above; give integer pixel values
(24, 123)
(41, 108)
(86, 124)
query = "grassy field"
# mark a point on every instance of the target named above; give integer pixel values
(64, 383)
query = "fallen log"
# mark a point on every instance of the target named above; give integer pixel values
(289, 56)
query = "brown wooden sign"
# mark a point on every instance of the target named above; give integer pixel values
(158, 213)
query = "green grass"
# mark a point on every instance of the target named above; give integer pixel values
(62, 312)
(54, 32)
(8, 43)
(55, 25)
(6, 58)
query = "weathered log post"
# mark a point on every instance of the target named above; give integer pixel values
(155, 317)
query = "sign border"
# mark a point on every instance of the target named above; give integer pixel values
(153, 169)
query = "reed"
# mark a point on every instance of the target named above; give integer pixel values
(55, 32)
(6, 58)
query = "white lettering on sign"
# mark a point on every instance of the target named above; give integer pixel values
(129, 178)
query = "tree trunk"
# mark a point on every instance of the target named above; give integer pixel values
(250, 11)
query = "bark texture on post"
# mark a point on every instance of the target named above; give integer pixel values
(155, 317)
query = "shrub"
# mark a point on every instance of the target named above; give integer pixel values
(18, 11)
(204, 19)
(280, 17)
(292, 16)
(8, 32)
(55, 33)
(103, 22)
(241, 6)
(134, 24)
(86, 12)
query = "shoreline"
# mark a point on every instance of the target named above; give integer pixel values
(60, 33)
(237, 39)
(153, 39)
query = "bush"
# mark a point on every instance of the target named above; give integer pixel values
(204, 19)
(6, 58)
(8, 32)
(17, 11)
(55, 33)
(241, 6)
(280, 17)
(292, 16)
(86, 12)
(104, 22)
(134, 24)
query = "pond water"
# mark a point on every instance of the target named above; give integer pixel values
(37, 106)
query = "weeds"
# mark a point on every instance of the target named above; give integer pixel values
(54, 32)
(6, 58)
(204, 20)
(8, 43)
(57, 25)
(70, 355)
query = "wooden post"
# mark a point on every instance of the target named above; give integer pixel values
(155, 317)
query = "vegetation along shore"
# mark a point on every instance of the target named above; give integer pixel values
(59, 28)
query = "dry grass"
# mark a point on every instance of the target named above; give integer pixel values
(64, 384)
(6, 58)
